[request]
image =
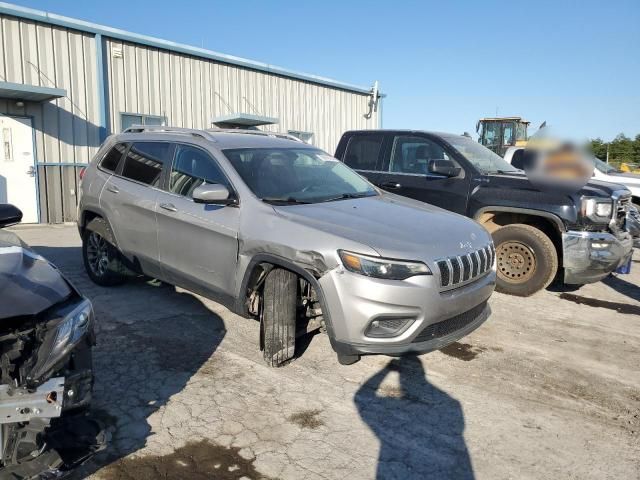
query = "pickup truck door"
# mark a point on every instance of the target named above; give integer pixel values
(198, 243)
(405, 171)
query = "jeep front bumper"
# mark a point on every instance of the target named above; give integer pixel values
(432, 318)
(589, 257)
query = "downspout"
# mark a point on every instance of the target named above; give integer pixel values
(102, 89)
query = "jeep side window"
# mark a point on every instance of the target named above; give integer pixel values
(413, 154)
(191, 168)
(112, 159)
(144, 162)
(363, 152)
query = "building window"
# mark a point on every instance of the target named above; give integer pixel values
(129, 119)
(304, 136)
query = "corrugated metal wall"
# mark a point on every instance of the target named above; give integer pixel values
(65, 129)
(190, 91)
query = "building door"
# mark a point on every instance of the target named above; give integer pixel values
(17, 166)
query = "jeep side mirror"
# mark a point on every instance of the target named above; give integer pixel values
(9, 215)
(215, 193)
(446, 168)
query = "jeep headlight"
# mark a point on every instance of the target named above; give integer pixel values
(379, 267)
(598, 210)
(62, 338)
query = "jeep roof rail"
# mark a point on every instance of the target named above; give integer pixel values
(255, 132)
(164, 129)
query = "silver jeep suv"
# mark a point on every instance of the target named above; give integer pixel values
(282, 232)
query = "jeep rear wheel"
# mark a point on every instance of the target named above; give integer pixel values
(526, 259)
(278, 317)
(101, 259)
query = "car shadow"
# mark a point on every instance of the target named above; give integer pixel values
(622, 286)
(151, 339)
(420, 427)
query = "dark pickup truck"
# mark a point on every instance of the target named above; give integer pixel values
(538, 235)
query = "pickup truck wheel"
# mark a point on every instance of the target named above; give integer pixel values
(101, 259)
(526, 259)
(278, 317)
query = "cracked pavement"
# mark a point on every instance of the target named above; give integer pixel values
(548, 387)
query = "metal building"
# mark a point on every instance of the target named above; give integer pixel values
(66, 84)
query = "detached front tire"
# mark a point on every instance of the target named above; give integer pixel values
(278, 317)
(526, 259)
(102, 259)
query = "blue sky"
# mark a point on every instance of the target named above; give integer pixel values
(443, 65)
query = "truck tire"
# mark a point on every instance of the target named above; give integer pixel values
(278, 317)
(526, 259)
(102, 259)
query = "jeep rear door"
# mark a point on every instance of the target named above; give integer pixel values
(198, 243)
(129, 200)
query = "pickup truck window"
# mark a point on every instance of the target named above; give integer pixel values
(413, 154)
(481, 157)
(363, 151)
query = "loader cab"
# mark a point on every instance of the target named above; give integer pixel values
(498, 134)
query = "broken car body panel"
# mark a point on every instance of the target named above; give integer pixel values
(46, 335)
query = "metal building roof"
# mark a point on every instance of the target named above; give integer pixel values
(81, 25)
(33, 93)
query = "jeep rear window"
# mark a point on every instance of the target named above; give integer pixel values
(297, 175)
(144, 162)
(112, 158)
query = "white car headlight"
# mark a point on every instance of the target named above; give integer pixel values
(62, 338)
(379, 267)
(598, 210)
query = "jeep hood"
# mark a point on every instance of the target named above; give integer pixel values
(29, 283)
(394, 226)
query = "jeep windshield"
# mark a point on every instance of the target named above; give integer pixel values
(297, 175)
(480, 156)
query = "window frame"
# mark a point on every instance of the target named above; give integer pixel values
(143, 116)
(113, 172)
(163, 175)
(386, 164)
(166, 185)
(381, 152)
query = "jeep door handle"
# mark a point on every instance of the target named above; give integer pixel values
(169, 206)
(113, 189)
(393, 185)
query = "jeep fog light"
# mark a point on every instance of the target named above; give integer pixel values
(387, 327)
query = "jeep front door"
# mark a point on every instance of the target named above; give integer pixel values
(198, 242)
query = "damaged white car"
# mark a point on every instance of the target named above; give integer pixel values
(46, 376)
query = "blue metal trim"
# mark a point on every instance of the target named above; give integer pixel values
(102, 91)
(60, 164)
(52, 18)
(22, 91)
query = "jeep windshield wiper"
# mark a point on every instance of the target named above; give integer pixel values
(346, 196)
(284, 201)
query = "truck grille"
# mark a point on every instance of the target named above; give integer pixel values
(622, 207)
(450, 325)
(455, 271)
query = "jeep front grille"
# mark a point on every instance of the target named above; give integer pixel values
(455, 271)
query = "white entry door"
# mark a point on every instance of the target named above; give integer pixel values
(17, 166)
